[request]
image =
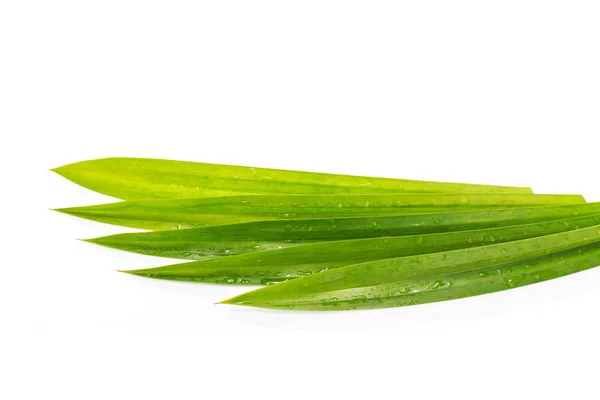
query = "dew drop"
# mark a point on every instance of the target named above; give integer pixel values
(440, 284)
(359, 299)
(269, 282)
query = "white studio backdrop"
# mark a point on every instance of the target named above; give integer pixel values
(489, 92)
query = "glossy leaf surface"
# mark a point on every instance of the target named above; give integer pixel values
(280, 265)
(144, 178)
(227, 240)
(434, 277)
(188, 213)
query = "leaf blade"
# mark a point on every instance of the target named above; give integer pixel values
(233, 239)
(187, 213)
(268, 267)
(144, 178)
(385, 283)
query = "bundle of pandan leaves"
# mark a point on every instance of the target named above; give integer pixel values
(335, 242)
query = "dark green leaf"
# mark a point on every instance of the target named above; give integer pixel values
(187, 213)
(226, 240)
(279, 265)
(434, 277)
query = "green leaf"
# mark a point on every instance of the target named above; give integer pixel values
(280, 265)
(434, 277)
(187, 213)
(144, 178)
(226, 240)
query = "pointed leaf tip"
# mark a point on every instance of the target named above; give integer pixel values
(137, 272)
(235, 301)
(64, 211)
(91, 240)
(127, 271)
(69, 211)
(58, 170)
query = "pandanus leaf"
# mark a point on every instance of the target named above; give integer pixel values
(434, 277)
(196, 212)
(145, 178)
(274, 266)
(228, 240)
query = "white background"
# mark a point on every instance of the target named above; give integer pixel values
(497, 92)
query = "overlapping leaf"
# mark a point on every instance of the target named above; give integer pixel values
(434, 277)
(227, 240)
(187, 213)
(274, 266)
(337, 242)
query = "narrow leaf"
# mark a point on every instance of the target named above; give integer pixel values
(274, 266)
(227, 240)
(187, 213)
(434, 277)
(144, 178)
